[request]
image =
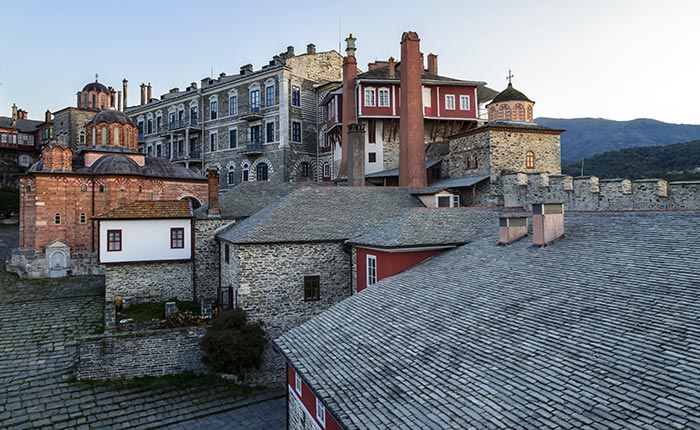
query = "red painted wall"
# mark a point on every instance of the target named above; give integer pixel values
(308, 399)
(439, 99)
(388, 263)
(377, 110)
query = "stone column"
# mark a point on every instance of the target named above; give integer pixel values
(356, 155)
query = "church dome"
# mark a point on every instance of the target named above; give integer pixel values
(115, 164)
(111, 116)
(510, 94)
(97, 87)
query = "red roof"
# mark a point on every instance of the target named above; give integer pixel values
(149, 209)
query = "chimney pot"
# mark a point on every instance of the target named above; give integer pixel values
(511, 227)
(124, 85)
(432, 63)
(222, 75)
(143, 93)
(149, 96)
(392, 68)
(193, 85)
(547, 223)
(47, 116)
(310, 48)
(350, 46)
(290, 51)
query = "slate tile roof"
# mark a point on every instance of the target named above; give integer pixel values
(395, 172)
(600, 330)
(430, 227)
(316, 214)
(23, 125)
(460, 181)
(151, 209)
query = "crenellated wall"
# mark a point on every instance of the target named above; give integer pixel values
(592, 193)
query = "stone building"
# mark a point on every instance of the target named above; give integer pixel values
(61, 194)
(19, 145)
(253, 125)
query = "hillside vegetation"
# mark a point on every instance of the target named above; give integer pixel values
(585, 137)
(680, 161)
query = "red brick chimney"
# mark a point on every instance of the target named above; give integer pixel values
(432, 64)
(511, 227)
(349, 105)
(120, 105)
(124, 85)
(392, 68)
(143, 93)
(47, 116)
(547, 223)
(411, 132)
(213, 209)
(149, 96)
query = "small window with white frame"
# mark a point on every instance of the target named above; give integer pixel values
(320, 413)
(383, 97)
(296, 96)
(427, 97)
(447, 201)
(371, 270)
(450, 102)
(464, 102)
(297, 383)
(370, 97)
(213, 109)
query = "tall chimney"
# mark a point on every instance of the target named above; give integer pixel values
(310, 48)
(547, 223)
(124, 85)
(349, 105)
(432, 64)
(143, 93)
(120, 106)
(411, 131)
(356, 152)
(112, 97)
(213, 209)
(14, 112)
(149, 96)
(511, 227)
(47, 116)
(392, 68)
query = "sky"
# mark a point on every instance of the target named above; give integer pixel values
(615, 59)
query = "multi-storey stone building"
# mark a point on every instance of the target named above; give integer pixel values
(255, 125)
(19, 145)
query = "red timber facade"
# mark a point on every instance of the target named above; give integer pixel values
(373, 265)
(449, 106)
(306, 411)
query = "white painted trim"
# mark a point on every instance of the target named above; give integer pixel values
(411, 249)
(367, 260)
(393, 100)
(464, 96)
(284, 102)
(454, 106)
(373, 90)
(312, 420)
(379, 97)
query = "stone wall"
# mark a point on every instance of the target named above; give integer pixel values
(592, 193)
(206, 257)
(32, 265)
(143, 353)
(148, 282)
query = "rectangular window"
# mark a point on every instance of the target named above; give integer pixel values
(297, 383)
(171, 119)
(140, 126)
(159, 124)
(383, 97)
(193, 115)
(270, 95)
(227, 253)
(296, 131)
(177, 238)
(296, 96)
(159, 151)
(370, 97)
(149, 126)
(444, 201)
(233, 105)
(371, 270)
(255, 101)
(213, 109)
(312, 288)
(372, 157)
(270, 132)
(427, 98)
(233, 138)
(255, 134)
(320, 413)
(114, 240)
(464, 102)
(450, 102)
(213, 141)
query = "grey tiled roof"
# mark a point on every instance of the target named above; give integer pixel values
(322, 214)
(430, 227)
(382, 73)
(459, 182)
(395, 172)
(23, 125)
(599, 330)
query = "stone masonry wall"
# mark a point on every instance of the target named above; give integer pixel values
(508, 150)
(144, 353)
(592, 193)
(206, 257)
(150, 282)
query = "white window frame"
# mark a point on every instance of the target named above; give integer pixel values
(370, 96)
(326, 170)
(297, 89)
(427, 97)
(297, 383)
(320, 413)
(449, 102)
(215, 141)
(371, 278)
(464, 102)
(454, 200)
(383, 93)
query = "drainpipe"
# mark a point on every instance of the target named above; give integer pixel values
(318, 143)
(194, 259)
(201, 137)
(92, 240)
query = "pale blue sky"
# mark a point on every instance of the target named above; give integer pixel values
(617, 59)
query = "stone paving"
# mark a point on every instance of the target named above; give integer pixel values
(40, 323)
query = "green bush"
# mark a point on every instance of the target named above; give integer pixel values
(9, 201)
(232, 344)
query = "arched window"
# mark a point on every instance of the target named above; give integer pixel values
(28, 189)
(81, 137)
(140, 189)
(245, 172)
(530, 160)
(122, 203)
(231, 175)
(101, 188)
(476, 163)
(305, 169)
(83, 188)
(469, 163)
(116, 136)
(326, 170)
(83, 218)
(104, 135)
(57, 218)
(261, 172)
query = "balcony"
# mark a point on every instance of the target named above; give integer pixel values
(181, 125)
(250, 113)
(252, 148)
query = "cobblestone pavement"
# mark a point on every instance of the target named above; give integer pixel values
(40, 323)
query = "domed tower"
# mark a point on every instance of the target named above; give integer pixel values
(510, 105)
(112, 129)
(96, 96)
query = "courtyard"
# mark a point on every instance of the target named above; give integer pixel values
(40, 324)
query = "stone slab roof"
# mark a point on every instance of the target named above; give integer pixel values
(430, 227)
(599, 330)
(382, 73)
(151, 209)
(395, 172)
(23, 125)
(460, 182)
(316, 214)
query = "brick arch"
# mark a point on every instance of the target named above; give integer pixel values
(252, 176)
(504, 112)
(196, 203)
(529, 114)
(518, 112)
(297, 167)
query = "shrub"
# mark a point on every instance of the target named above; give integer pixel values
(232, 344)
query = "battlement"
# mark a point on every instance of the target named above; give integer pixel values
(593, 193)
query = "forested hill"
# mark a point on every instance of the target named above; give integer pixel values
(585, 137)
(680, 161)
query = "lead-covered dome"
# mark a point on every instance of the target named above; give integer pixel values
(110, 116)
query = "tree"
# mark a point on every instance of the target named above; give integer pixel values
(9, 201)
